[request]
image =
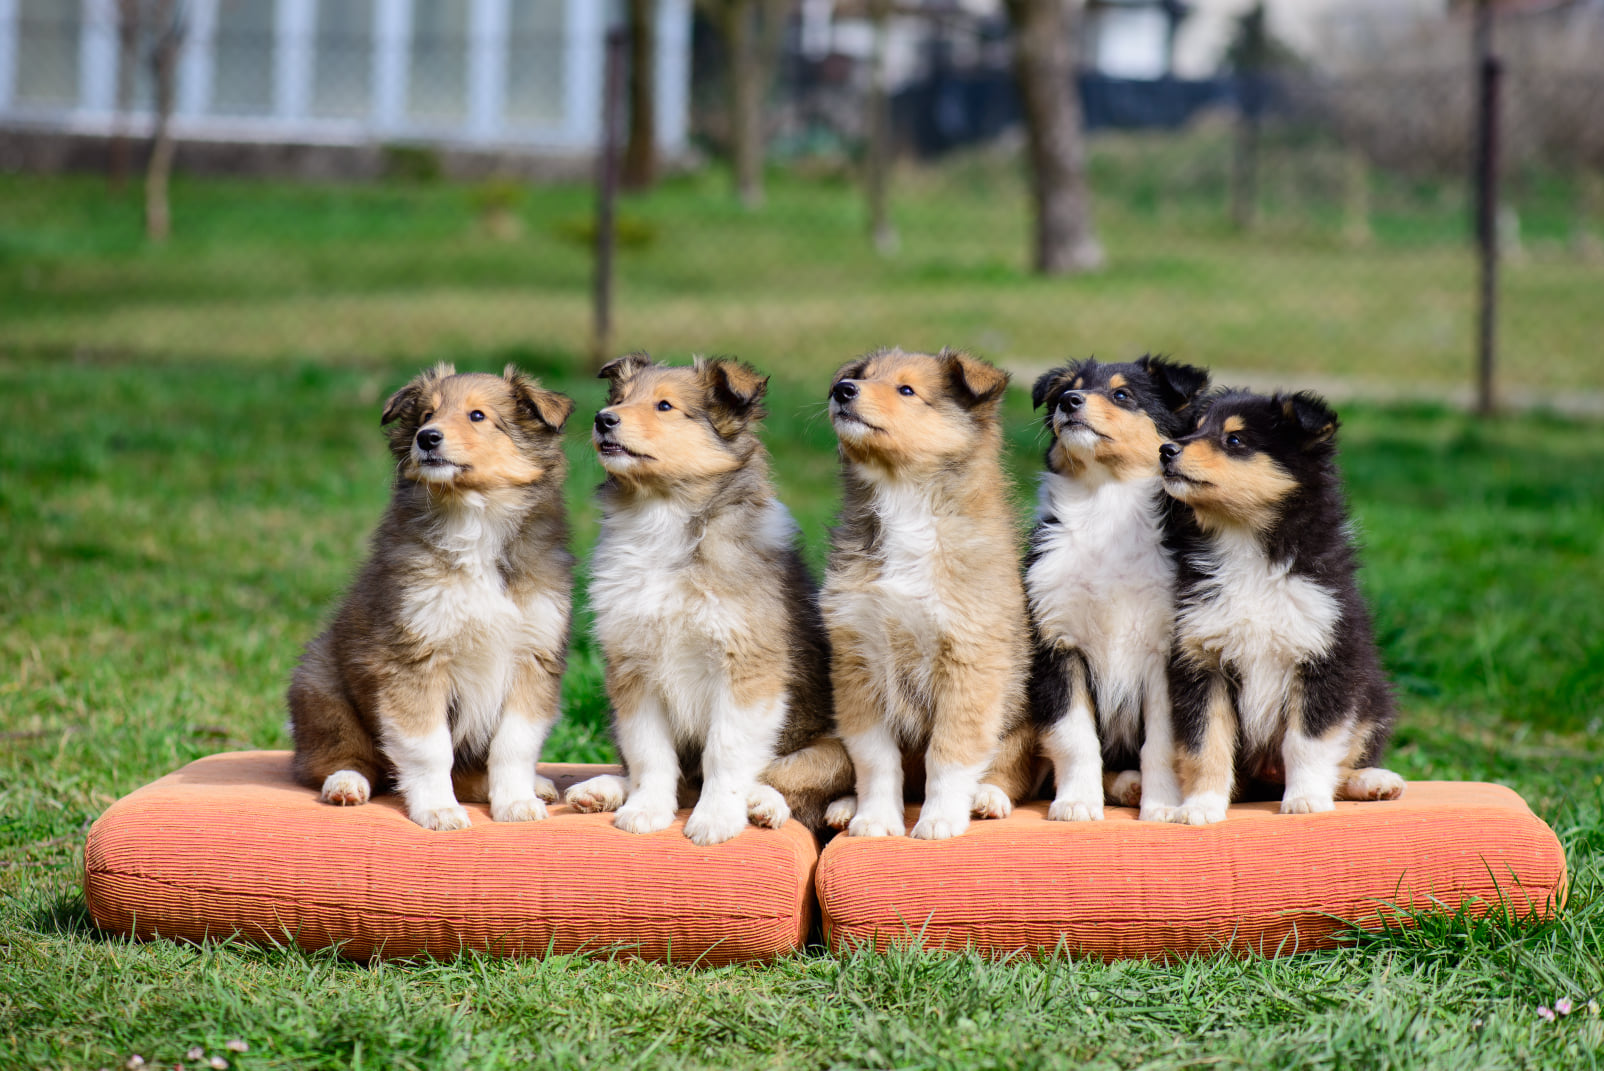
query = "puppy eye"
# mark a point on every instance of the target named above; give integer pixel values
(1121, 395)
(905, 390)
(664, 406)
(427, 417)
(1233, 440)
(476, 416)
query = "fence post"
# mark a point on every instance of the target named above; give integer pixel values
(606, 197)
(1489, 74)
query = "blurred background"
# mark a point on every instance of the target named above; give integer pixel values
(230, 228)
(1283, 190)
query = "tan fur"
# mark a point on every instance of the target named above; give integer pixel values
(1128, 440)
(939, 654)
(1225, 490)
(390, 667)
(1212, 768)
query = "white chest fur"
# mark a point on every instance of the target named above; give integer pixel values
(1102, 583)
(1261, 620)
(462, 612)
(661, 608)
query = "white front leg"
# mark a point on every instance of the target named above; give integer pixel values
(648, 750)
(1161, 789)
(515, 795)
(1313, 770)
(740, 744)
(949, 797)
(877, 764)
(1077, 756)
(423, 777)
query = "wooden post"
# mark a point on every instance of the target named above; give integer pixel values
(607, 197)
(877, 158)
(1489, 70)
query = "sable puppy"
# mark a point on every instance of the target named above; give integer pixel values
(717, 660)
(1101, 584)
(1275, 675)
(445, 657)
(922, 596)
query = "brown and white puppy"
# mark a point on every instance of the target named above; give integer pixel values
(446, 655)
(923, 597)
(1275, 676)
(1101, 584)
(717, 660)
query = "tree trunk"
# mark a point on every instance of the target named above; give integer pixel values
(739, 23)
(1065, 239)
(639, 170)
(164, 68)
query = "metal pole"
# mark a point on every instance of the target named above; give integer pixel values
(1489, 71)
(606, 197)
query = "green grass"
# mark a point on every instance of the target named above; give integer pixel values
(172, 530)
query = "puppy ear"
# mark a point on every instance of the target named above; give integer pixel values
(734, 392)
(1315, 421)
(547, 406)
(620, 371)
(404, 401)
(1177, 384)
(973, 382)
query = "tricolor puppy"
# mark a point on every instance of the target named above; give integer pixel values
(445, 657)
(930, 647)
(1101, 584)
(1275, 676)
(717, 660)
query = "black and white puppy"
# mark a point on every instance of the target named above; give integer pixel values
(1275, 675)
(1101, 583)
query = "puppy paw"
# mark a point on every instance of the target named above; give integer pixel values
(767, 808)
(1372, 783)
(715, 821)
(531, 810)
(1307, 805)
(870, 825)
(1126, 789)
(442, 819)
(991, 802)
(1156, 812)
(345, 788)
(939, 827)
(1198, 813)
(637, 819)
(1073, 810)
(604, 793)
(839, 814)
(545, 789)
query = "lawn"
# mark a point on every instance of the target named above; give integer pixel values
(190, 463)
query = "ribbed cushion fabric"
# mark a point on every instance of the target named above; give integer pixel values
(1260, 882)
(231, 845)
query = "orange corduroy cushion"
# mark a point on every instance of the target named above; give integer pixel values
(1260, 882)
(231, 845)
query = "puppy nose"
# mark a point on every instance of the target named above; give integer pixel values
(429, 438)
(844, 391)
(606, 421)
(1072, 401)
(1169, 451)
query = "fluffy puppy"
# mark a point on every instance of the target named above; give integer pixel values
(922, 597)
(1101, 584)
(445, 657)
(717, 660)
(1275, 675)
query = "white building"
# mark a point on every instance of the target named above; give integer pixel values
(492, 74)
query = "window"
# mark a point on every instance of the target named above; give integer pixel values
(438, 89)
(242, 51)
(342, 71)
(536, 48)
(47, 52)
